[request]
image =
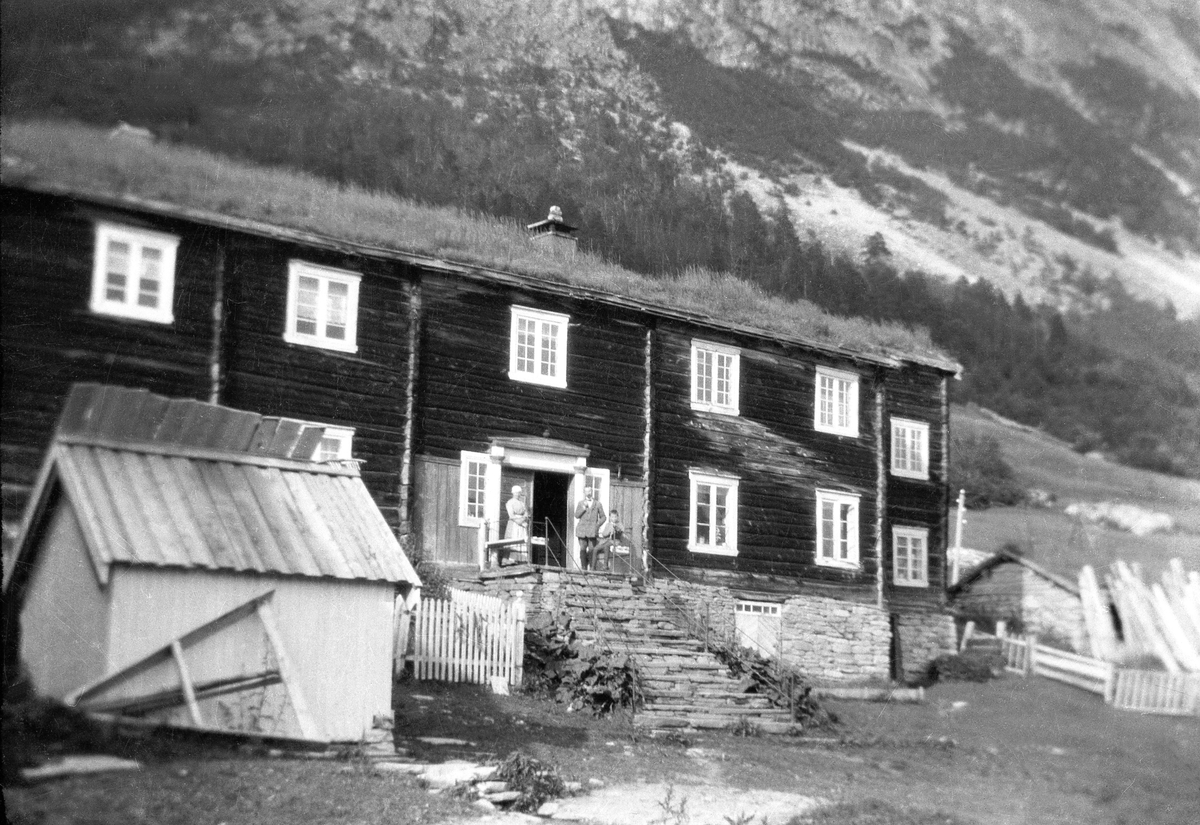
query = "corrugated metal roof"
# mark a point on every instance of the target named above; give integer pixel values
(185, 484)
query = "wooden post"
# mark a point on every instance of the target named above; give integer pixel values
(968, 632)
(1030, 654)
(410, 405)
(185, 680)
(217, 346)
(1001, 628)
(518, 609)
(959, 520)
(481, 544)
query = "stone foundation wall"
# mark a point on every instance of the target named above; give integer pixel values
(716, 604)
(924, 635)
(831, 640)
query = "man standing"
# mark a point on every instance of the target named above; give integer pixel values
(589, 515)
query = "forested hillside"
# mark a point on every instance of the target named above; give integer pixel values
(638, 133)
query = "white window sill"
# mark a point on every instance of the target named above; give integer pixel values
(916, 476)
(320, 343)
(715, 408)
(545, 381)
(909, 583)
(115, 310)
(842, 565)
(848, 433)
(712, 550)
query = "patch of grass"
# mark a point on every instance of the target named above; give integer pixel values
(72, 158)
(875, 812)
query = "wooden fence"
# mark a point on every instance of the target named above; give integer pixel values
(1148, 691)
(469, 637)
(1174, 694)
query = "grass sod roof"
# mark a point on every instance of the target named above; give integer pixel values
(73, 159)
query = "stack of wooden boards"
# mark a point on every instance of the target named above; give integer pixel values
(1131, 620)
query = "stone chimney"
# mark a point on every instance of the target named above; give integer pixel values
(554, 230)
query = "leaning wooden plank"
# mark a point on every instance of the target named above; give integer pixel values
(287, 673)
(163, 654)
(1101, 635)
(1181, 645)
(120, 723)
(185, 681)
(174, 697)
(1139, 605)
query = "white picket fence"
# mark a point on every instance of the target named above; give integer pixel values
(1148, 691)
(469, 637)
(1173, 694)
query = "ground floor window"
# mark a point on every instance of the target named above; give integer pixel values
(837, 529)
(713, 514)
(910, 556)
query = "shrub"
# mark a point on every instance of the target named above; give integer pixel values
(536, 781)
(977, 465)
(557, 665)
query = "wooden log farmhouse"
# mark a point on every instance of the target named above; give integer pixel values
(765, 457)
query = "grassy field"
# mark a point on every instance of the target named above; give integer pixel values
(1063, 543)
(1011, 751)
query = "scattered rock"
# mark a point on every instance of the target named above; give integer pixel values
(484, 804)
(444, 740)
(593, 782)
(491, 786)
(449, 774)
(1127, 517)
(420, 697)
(501, 797)
(548, 808)
(499, 685)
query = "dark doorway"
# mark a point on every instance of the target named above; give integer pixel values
(552, 493)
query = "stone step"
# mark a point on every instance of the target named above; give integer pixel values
(690, 703)
(732, 711)
(698, 721)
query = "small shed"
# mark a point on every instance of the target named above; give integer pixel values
(191, 564)
(1008, 587)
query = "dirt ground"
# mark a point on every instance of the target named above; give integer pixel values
(1011, 751)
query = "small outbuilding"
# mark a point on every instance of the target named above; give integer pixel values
(190, 563)
(1008, 587)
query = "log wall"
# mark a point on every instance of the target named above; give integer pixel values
(51, 338)
(466, 397)
(775, 452)
(364, 390)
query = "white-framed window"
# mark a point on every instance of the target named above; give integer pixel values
(715, 377)
(836, 408)
(910, 556)
(712, 524)
(472, 488)
(910, 448)
(133, 274)
(837, 529)
(538, 347)
(757, 625)
(596, 479)
(336, 444)
(322, 307)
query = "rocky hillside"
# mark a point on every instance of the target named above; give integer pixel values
(1036, 161)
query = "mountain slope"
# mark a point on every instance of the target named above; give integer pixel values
(1041, 176)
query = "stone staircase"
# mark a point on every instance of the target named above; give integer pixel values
(685, 686)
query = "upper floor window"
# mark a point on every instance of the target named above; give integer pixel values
(538, 347)
(712, 526)
(472, 488)
(335, 444)
(715, 377)
(133, 275)
(910, 448)
(322, 307)
(836, 408)
(910, 556)
(837, 529)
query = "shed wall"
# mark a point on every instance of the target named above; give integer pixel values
(64, 625)
(338, 634)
